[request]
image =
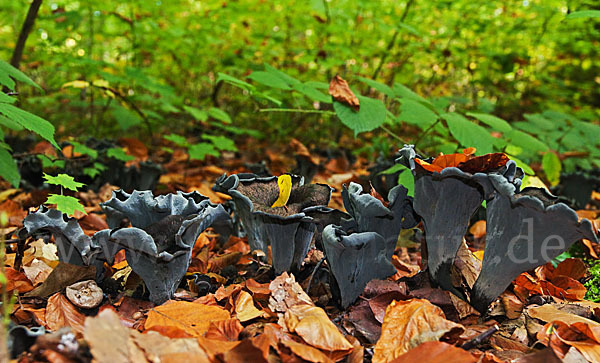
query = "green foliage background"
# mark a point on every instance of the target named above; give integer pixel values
(518, 76)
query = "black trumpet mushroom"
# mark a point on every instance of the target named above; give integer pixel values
(288, 229)
(158, 245)
(362, 248)
(447, 196)
(73, 246)
(369, 214)
(524, 230)
(354, 260)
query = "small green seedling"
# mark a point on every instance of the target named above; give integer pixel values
(64, 203)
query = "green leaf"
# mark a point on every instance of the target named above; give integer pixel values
(8, 168)
(269, 79)
(371, 115)
(91, 172)
(584, 14)
(526, 141)
(66, 204)
(198, 114)
(8, 123)
(7, 71)
(541, 122)
(402, 91)
(469, 134)
(48, 163)
(177, 140)
(312, 93)
(219, 115)
(521, 164)
(4, 98)
(125, 118)
(393, 169)
(30, 122)
(381, 87)
(64, 180)
(234, 81)
(410, 29)
(492, 121)
(552, 167)
(119, 154)
(415, 113)
(82, 149)
(284, 76)
(221, 142)
(407, 179)
(199, 151)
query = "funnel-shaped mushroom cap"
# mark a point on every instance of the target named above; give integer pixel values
(73, 246)
(289, 229)
(524, 230)
(446, 199)
(159, 245)
(354, 260)
(371, 215)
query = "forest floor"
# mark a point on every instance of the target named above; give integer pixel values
(245, 312)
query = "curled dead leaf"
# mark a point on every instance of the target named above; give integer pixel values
(409, 323)
(244, 307)
(341, 92)
(285, 293)
(312, 324)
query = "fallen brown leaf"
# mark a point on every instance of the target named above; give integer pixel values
(312, 324)
(60, 313)
(285, 293)
(244, 307)
(436, 352)
(410, 323)
(341, 92)
(191, 317)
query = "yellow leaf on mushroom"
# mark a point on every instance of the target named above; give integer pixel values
(284, 182)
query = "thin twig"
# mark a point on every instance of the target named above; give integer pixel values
(299, 110)
(481, 338)
(312, 275)
(422, 135)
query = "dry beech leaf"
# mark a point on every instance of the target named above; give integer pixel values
(226, 330)
(244, 307)
(285, 293)
(214, 347)
(312, 324)
(552, 312)
(572, 267)
(191, 317)
(436, 352)
(37, 271)
(17, 281)
(410, 323)
(111, 342)
(478, 229)
(341, 92)
(60, 313)
(306, 352)
(468, 265)
(561, 336)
